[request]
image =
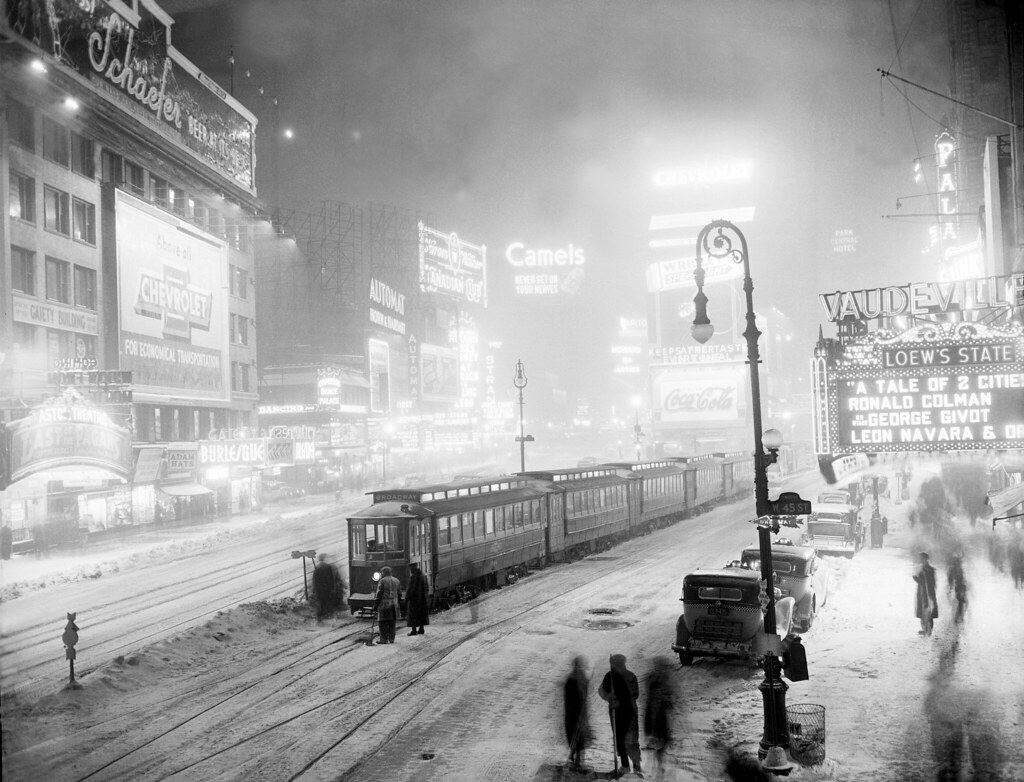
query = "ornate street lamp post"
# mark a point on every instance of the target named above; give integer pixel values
(717, 240)
(519, 381)
(638, 432)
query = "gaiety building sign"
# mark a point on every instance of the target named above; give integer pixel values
(124, 50)
(924, 298)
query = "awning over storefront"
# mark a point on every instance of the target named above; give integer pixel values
(185, 489)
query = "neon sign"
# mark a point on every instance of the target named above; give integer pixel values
(933, 388)
(945, 152)
(704, 174)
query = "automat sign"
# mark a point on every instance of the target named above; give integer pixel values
(940, 387)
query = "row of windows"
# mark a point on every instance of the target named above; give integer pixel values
(587, 501)
(61, 145)
(666, 484)
(62, 212)
(239, 329)
(65, 283)
(67, 148)
(477, 525)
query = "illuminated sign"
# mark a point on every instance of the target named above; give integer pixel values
(285, 409)
(844, 241)
(933, 388)
(65, 431)
(518, 255)
(124, 51)
(250, 452)
(452, 266)
(439, 376)
(945, 153)
(704, 174)
(386, 297)
(922, 298)
(678, 273)
(27, 309)
(698, 398)
(180, 460)
(697, 354)
(414, 371)
(172, 303)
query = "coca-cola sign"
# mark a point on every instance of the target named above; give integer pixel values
(699, 399)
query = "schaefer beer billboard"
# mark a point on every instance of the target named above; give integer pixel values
(172, 304)
(940, 387)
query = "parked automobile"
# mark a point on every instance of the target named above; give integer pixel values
(834, 528)
(722, 615)
(837, 496)
(798, 574)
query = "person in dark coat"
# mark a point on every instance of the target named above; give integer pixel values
(417, 597)
(956, 583)
(326, 583)
(658, 713)
(620, 688)
(576, 693)
(927, 604)
(6, 541)
(386, 605)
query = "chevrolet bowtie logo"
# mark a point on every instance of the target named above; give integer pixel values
(181, 306)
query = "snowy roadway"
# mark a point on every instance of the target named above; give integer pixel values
(263, 692)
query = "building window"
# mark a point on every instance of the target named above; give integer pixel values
(84, 215)
(58, 280)
(177, 200)
(157, 424)
(134, 179)
(159, 191)
(83, 160)
(56, 139)
(24, 335)
(112, 167)
(56, 211)
(85, 287)
(21, 125)
(239, 329)
(22, 197)
(23, 270)
(239, 282)
(239, 376)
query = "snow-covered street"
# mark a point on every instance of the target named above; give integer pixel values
(263, 691)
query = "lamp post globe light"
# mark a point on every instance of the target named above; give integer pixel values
(520, 381)
(719, 239)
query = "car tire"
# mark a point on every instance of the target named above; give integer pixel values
(686, 658)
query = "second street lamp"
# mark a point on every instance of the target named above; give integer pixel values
(718, 240)
(520, 381)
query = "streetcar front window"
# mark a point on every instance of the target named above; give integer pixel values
(383, 539)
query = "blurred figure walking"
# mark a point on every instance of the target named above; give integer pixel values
(658, 712)
(576, 694)
(927, 603)
(620, 688)
(328, 588)
(956, 583)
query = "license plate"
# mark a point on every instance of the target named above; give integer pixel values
(718, 611)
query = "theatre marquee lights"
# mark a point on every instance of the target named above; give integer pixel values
(939, 387)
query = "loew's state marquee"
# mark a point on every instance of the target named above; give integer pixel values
(937, 387)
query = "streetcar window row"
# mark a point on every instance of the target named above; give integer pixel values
(587, 501)
(480, 524)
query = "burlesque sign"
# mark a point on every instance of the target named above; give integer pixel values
(125, 52)
(933, 388)
(67, 431)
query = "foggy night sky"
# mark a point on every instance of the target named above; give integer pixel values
(544, 121)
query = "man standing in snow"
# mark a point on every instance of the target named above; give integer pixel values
(620, 688)
(386, 605)
(328, 588)
(927, 605)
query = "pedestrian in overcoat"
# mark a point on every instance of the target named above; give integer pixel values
(658, 713)
(417, 600)
(576, 694)
(386, 605)
(620, 688)
(328, 587)
(927, 604)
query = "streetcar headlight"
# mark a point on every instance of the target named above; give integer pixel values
(376, 576)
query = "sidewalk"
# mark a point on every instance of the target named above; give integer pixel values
(29, 571)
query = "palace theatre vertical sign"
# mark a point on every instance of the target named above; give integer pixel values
(935, 387)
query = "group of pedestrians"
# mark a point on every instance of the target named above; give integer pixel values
(926, 599)
(621, 690)
(388, 606)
